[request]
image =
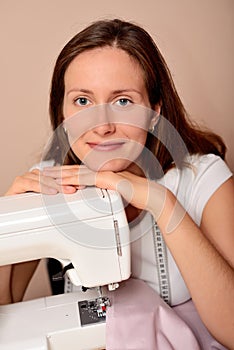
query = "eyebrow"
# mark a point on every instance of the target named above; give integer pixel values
(114, 92)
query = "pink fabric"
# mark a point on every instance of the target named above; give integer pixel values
(140, 320)
(189, 314)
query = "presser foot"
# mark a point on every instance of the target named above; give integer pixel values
(93, 311)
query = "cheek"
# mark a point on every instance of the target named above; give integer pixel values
(136, 134)
(66, 110)
(78, 148)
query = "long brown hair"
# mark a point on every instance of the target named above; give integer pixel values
(159, 84)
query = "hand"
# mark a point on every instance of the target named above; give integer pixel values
(136, 190)
(35, 181)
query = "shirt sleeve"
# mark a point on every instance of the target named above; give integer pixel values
(43, 164)
(196, 182)
(210, 173)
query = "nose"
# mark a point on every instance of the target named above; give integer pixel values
(103, 124)
(105, 129)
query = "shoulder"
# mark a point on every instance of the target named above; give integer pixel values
(207, 163)
(197, 181)
(208, 172)
(196, 169)
(43, 164)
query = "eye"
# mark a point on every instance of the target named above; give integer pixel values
(124, 102)
(82, 101)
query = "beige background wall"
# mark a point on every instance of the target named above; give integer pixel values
(196, 38)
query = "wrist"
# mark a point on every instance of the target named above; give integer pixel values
(165, 208)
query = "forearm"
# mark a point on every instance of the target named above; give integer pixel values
(21, 276)
(14, 281)
(208, 276)
(5, 285)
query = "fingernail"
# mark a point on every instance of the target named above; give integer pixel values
(69, 189)
(81, 187)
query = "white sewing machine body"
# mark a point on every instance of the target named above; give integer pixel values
(51, 323)
(88, 229)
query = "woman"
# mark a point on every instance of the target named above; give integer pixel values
(108, 70)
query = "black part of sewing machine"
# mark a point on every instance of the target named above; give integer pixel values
(59, 276)
(54, 267)
(93, 311)
(84, 289)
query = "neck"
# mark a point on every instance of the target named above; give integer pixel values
(136, 170)
(132, 212)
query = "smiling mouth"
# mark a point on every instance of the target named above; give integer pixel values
(107, 146)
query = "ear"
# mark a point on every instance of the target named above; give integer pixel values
(158, 107)
(155, 118)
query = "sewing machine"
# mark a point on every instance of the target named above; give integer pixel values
(88, 232)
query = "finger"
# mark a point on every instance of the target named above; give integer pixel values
(59, 167)
(66, 171)
(79, 179)
(22, 185)
(33, 182)
(80, 187)
(48, 183)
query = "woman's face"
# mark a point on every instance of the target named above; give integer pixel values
(106, 86)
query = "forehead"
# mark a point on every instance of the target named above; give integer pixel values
(107, 63)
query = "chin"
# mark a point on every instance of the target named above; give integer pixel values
(113, 165)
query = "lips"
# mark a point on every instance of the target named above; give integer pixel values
(106, 146)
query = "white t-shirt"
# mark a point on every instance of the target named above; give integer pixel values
(151, 261)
